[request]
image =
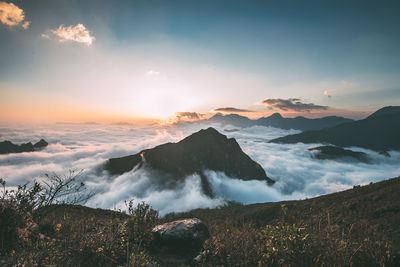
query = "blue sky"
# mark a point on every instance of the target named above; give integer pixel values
(155, 58)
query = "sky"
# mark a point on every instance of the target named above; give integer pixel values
(120, 60)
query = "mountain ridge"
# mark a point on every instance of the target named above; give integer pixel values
(278, 121)
(7, 147)
(380, 132)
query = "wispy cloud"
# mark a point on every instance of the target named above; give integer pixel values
(291, 104)
(326, 93)
(12, 15)
(152, 73)
(231, 109)
(77, 33)
(44, 35)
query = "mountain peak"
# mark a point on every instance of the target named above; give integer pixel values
(385, 111)
(276, 115)
(204, 150)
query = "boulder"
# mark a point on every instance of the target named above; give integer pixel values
(179, 242)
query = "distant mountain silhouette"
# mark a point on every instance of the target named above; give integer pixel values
(385, 111)
(203, 150)
(333, 152)
(7, 147)
(276, 120)
(231, 119)
(379, 131)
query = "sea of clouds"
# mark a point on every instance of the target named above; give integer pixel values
(88, 146)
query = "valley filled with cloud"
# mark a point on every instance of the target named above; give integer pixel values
(88, 146)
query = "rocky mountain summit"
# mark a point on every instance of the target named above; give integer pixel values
(201, 151)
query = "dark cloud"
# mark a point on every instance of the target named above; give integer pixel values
(291, 104)
(231, 109)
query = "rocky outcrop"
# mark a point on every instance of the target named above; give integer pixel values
(41, 144)
(203, 150)
(179, 242)
(334, 153)
(7, 147)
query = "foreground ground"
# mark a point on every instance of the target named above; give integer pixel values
(356, 227)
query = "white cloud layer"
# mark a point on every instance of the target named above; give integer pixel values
(12, 15)
(77, 33)
(88, 146)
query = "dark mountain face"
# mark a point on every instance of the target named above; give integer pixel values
(385, 111)
(203, 150)
(7, 147)
(379, 132)
(276, 120)
(301, 123)
(334, 153)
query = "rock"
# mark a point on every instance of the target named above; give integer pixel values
(179, 242)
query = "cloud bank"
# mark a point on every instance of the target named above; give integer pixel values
(12, 15)
(292, 104)
(88, 146)
(77, 33)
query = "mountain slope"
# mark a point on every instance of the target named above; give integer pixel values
(276, 120)
(204, 150)
(362, 222)
(385, 111)
(356, 227)
(378, 132)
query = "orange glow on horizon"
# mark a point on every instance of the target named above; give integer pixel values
(16, 107)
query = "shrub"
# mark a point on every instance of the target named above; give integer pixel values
(233, 245)
(137, 234)
(286, 245)
(17, 206)
(9, 222)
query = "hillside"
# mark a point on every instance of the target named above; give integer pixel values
(354, 227)
(380, 131)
